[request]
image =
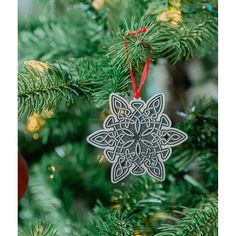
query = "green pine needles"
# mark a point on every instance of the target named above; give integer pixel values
(182, 205)
(197, 222)
(195, 35)
(44, 88)
(192, 37)
(71, 58)
(60, 38)
(38, 230)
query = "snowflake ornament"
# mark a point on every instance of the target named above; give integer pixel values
(137, 137)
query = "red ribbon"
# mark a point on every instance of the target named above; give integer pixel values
(146, 67)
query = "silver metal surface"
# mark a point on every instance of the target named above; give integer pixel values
(137, 137)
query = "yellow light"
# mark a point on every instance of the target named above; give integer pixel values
(115, 206)
(139, 233)
(114, 199)
(51, 176)
(163, 215)
(37, 65)
(172, 15)
(101, 158)
(53, 168)
(33, 123)
(47, 114)
(36, 136)
(97, 4)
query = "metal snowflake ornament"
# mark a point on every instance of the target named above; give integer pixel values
(137, 137)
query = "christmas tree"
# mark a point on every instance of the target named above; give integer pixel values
(72, 56)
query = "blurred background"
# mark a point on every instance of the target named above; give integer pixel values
(69, 190)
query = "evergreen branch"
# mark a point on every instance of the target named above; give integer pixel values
(44, 191)
(38, 230)
(46, 205)
(112, 223)
(63, 37)
(77, 175)
(41, 89)
(46, 88)
(197, 221)
(88, 74)
(96, 80)
(143, 195)
(200, 149)
(138, 205)
(142, 205)
(112, 82)
(44, 198)
(116, 12)
(190, 38)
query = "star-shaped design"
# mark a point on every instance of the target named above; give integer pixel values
(137, 137)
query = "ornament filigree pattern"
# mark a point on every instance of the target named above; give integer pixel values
(137, 137)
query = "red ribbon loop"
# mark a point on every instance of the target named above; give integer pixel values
(136, 90)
